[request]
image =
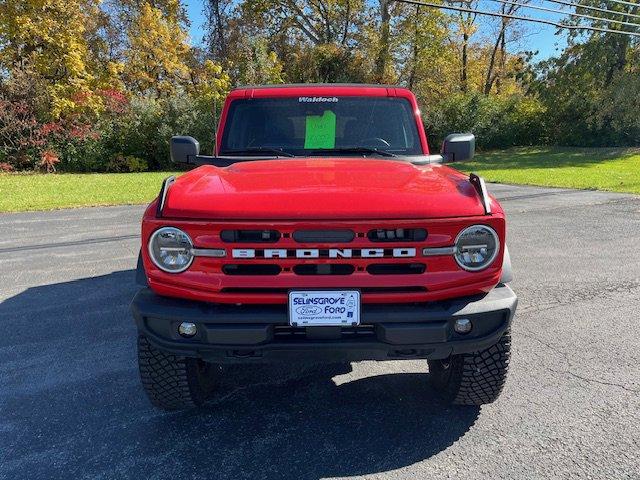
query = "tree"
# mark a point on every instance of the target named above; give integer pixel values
(218, 13)
(424, 54)
(255, 64)
(383, 56)
(51, 38)
(155, 60)
(318, 21)
(498, 57)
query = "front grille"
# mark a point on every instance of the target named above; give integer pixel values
(384, 259)
(265, 260)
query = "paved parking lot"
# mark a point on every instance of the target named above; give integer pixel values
(71, 406)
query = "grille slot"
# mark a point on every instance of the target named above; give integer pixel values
(396, 268)
(252, 269)
(324, 269)
(397, 235)
(324, 236)
(283, 332)
(250, 236)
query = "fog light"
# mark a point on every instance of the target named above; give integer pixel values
(187, 329)
(462, 325)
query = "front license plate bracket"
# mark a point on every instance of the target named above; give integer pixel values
(324, 308)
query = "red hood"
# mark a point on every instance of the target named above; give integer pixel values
(319, 188)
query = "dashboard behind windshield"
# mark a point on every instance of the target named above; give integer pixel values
(320, 125)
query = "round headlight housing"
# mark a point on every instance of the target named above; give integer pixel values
(170, 249)
(476, 247)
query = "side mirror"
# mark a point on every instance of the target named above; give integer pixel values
(458, 147)
(184, 149)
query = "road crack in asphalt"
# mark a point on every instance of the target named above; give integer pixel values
(586, 293)
(594, 380)
(538, 195)
(299, 378)
(88, 241)
(569, 370)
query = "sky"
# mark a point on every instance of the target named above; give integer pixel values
(537, 37)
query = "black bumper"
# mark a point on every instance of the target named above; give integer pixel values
(230, 333)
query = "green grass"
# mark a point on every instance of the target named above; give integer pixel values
(612, 169)
(20, 192)
(616, 170)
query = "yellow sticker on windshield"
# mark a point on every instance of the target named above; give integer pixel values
(320, 131)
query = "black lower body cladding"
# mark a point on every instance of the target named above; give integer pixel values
(250, 333)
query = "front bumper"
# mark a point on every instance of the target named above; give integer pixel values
(239, 333)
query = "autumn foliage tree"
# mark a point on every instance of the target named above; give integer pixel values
(51, 38)
(155, 60)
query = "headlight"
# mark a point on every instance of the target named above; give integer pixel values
(476, 247)
(170, 249)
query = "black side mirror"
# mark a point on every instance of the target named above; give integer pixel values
(458, 147)
(184, 149)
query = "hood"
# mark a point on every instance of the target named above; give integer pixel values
(322, 188)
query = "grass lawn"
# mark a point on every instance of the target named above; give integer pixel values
(19, 192)
(603, 169)
(612, 169)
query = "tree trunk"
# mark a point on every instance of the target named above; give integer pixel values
(465, 60)
(503, 62)
(217, 39)
(385, 34)
(416, 49)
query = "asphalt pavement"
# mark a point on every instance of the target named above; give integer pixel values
(71, 406)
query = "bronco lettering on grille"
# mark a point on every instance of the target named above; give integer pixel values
(324, 253)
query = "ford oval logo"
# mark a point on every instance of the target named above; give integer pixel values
(308, 310)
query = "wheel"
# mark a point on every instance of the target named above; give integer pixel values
(472, 378)
(173, 382)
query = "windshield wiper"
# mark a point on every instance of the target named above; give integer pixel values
(258, 150)
(363, 150)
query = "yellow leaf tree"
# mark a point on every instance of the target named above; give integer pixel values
(155, 60)
(50, 38)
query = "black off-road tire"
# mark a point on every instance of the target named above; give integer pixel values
(173, 382)
(472, 378)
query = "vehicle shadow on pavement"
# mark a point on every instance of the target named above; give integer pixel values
(72, 407)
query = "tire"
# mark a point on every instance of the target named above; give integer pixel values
(472, 378)
(172, 382)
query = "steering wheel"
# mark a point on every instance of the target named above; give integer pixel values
(376, 142)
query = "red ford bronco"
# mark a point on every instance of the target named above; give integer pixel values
(322, 228)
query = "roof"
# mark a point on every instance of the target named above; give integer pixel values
(318, 85)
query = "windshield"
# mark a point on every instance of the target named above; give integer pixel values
(320, 126)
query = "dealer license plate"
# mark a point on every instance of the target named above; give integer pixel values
(324, 308)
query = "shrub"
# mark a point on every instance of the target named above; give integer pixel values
(497, 122)
(145, 130)
(125, 164)
(137, 138)
(21, 136)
